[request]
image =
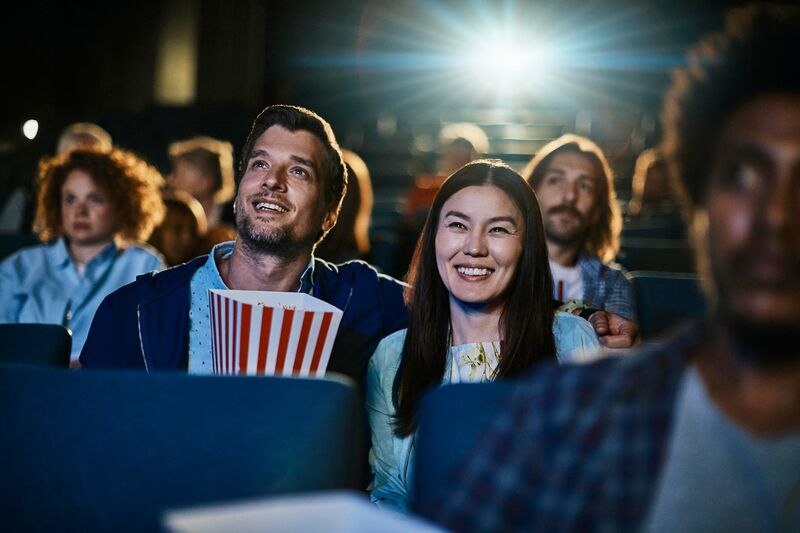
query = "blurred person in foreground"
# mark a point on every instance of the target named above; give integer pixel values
(95, 207)
(701, 434)
(480, 309)
(582, 221)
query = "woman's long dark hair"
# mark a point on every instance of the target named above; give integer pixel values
(526, 322)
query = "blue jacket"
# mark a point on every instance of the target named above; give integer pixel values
(145, 324)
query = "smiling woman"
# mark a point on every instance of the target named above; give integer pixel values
(480, 309)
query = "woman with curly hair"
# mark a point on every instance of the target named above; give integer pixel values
(94, 207)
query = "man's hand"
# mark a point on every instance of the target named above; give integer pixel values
(614, 331)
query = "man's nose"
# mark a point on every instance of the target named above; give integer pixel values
(274, 179)
(569, 193)
(782, 204)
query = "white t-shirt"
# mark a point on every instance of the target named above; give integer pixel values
(567, 282)
(719, 477)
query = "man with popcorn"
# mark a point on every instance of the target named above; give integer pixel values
(291, 183)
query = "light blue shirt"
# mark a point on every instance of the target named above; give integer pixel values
(41, 284)
(392, 457)
(718, 477)
(207, 277)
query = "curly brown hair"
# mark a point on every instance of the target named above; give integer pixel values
(755, 54)
(132, 185)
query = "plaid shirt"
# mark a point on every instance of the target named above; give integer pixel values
(578, 447)
(606, 287)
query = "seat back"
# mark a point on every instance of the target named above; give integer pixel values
(452, 420)
(105, 450)
(662, 255)
(35, 344)
(10, 243)
(665, 299)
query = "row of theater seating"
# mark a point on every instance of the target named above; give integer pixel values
(113, 451)
(116, 450)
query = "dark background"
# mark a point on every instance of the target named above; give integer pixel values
(372, 68)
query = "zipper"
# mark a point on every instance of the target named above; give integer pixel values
(141, 342)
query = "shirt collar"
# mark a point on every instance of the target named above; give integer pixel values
(225, 249)
(307, 278)
(61, 257)
(590, 264)
(60, 254)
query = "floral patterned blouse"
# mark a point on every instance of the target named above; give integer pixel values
(392, 457)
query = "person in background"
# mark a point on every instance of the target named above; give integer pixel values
(203, 167)
(480, 309)
(16, 213)
(180, 236)
(94, 209)
(83, 135)
(703, 433)
(652, 207)
(582, 221)
(349, 238)
(458, 144)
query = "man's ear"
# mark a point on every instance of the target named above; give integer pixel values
(330, 220)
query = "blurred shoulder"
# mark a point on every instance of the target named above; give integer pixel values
(143, 251)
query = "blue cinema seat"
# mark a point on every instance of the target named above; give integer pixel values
(662, 255)
(664, 300)
(452, 421)
(104, 450)
(35, 344)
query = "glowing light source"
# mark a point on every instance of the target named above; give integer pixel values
(503, 64)
(30, 128)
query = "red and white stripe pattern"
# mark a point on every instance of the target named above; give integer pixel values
(270, 338)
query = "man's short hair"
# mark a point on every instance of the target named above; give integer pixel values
(604, 237)
(295, 118)
(757, 53)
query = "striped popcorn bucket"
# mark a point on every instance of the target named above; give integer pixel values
(271, 333)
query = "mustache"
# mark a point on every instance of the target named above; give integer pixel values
(268, 197)
(566, 209)
(747, 258)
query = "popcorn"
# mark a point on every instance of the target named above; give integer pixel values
(271, 333)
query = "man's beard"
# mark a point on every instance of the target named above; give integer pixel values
(278, 241)
(575, 235)
(764, 345)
